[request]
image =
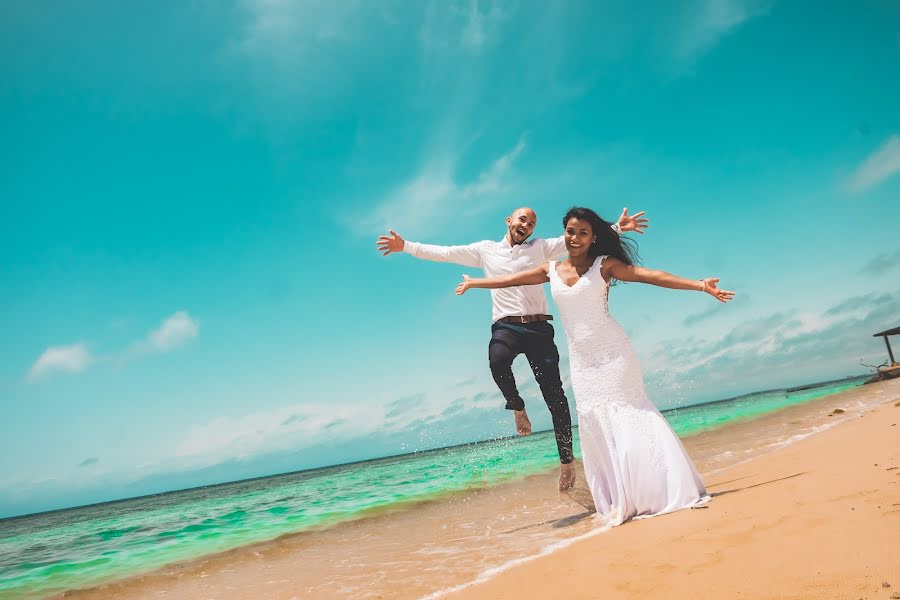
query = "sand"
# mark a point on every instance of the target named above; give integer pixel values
(814, 518)
(817, 519)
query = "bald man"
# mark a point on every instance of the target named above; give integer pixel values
(521, 323)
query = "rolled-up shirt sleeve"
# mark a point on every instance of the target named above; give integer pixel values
(468, 255)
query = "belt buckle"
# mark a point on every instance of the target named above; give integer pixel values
(523, 319)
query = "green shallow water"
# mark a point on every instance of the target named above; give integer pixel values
(51, 552)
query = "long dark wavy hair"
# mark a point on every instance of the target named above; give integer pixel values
(608, 242)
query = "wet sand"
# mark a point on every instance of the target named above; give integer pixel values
(807, 505)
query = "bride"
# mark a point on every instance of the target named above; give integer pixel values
(634, 463)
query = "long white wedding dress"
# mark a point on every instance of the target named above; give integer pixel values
(634, 463)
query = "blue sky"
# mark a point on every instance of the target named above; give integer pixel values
(191, 193)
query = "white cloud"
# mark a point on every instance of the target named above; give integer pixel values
(782, 348)
(284, 428)
(479, 26)
(295, 27)
(66, 359)
(416, 203)
(492, 181)
(464, 25)
(292, 59)
(714, 20)
(301, 426)
(473, 35)
(174, 331)
(879, 166)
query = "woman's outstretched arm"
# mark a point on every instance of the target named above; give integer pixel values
(615, 268)
(529, 277)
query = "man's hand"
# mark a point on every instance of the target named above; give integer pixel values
(632, 222)
(390, 243)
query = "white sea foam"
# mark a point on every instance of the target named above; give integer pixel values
(494, 571)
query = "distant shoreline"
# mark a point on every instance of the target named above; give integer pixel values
(314, 470)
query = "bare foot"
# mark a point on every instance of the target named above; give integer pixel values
(523, 425)
(566, 477)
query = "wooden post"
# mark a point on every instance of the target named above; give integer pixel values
(890, 354)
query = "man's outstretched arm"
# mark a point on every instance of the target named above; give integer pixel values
(468, 255)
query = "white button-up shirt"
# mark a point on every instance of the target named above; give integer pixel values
(500, 258)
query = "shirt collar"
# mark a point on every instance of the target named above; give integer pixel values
(505, 243)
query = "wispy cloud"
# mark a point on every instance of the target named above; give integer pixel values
(293, 427)
(175, 331)
(311, 425)
(479, 24)
(415, 204)
(695, 318)
(786, 346)
(66, 359)
(714, 310)
(882, 263)
(713, 20)
(299, 61)
(473, 35)
(467, 26)
(878, 166)
(860, 304)
(493, 180)
(295, 28)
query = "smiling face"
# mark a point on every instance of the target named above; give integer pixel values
(579, 236)
(521, 225)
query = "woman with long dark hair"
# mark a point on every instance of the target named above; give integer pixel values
(634, 463)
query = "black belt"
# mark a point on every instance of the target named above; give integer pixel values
(525, 319)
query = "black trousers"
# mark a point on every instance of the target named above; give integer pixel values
(535, 340)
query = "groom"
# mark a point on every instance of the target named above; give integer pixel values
(520, 320)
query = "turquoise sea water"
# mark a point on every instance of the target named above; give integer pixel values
(51, 552)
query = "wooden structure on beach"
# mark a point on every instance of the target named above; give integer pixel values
(892, 369)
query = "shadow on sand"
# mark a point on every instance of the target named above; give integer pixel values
(731, 491)
(577, 518)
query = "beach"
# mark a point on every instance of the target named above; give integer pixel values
(817, 519)
(806, 505)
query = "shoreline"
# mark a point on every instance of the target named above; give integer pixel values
(819, 518)
(224, 574)
(426, 451)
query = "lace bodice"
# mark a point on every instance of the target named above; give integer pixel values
(584, 303)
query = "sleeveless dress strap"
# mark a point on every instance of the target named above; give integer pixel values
(598, 264)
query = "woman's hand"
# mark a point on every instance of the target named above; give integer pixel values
(632, 222)
(709, 286)
(462, 287)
